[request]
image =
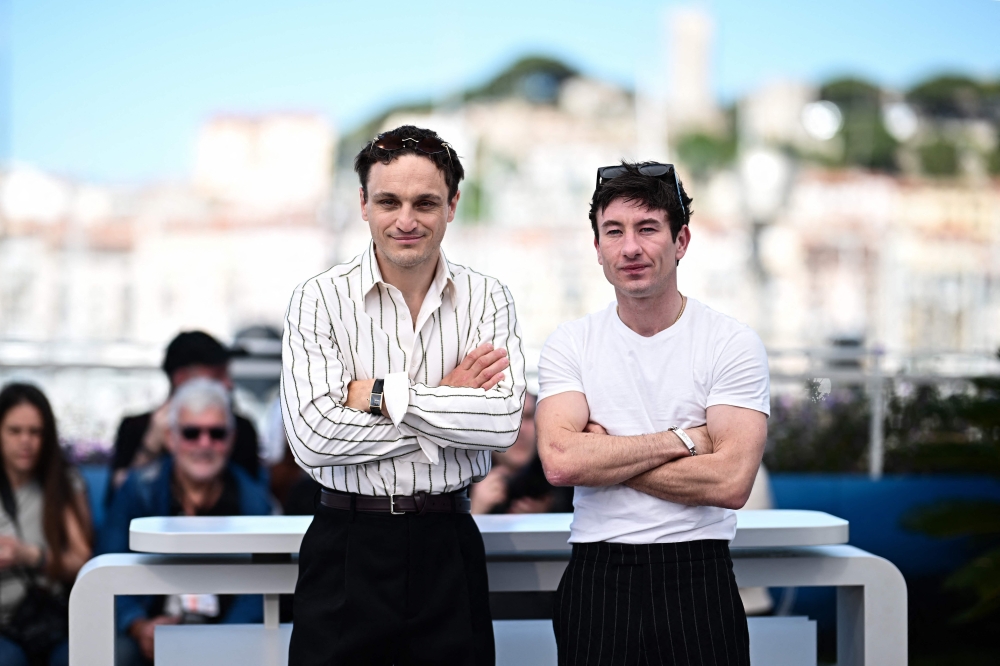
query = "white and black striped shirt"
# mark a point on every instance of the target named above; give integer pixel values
(348, 324)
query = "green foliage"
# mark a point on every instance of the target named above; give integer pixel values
(925, 432)
(939, 158)
(956, 518)
(471, 205)
(704, 153)
(982, 578)
(993, 162)
(851, 93)
(979, 412)
(867, 143)
(950, 96)
(819, 435)
(536, 78)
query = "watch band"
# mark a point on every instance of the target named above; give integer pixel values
(375, 401)
(683, 436)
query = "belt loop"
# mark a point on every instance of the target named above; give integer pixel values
(354, 501)
(422, 498)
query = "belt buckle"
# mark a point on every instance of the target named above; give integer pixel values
(392, 507)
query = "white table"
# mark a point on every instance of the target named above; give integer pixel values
(502, 535)
(254, 555)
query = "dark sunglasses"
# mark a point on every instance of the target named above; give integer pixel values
(193, 433)
(664, 172)
(428, 145)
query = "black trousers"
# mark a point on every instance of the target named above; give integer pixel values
(631, 605)
(376, 588)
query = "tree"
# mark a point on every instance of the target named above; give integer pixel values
(948, 96)
(867, 143)
(703, 153)
(536, 78)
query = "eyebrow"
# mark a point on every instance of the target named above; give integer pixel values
(427, 196)
(648, 220)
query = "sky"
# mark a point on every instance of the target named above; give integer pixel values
(115, 92)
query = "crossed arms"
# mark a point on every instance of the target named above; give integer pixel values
(326, 381)
(577, 452)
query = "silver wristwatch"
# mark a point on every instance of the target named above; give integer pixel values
(684, 438)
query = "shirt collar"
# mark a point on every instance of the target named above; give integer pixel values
(371, 275)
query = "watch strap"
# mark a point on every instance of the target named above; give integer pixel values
(683, 436)
(375, 401)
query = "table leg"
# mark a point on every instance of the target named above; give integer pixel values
(271, 611)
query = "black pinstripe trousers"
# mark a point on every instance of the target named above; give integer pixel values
(633, 605)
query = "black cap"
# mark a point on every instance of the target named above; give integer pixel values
(194, 348)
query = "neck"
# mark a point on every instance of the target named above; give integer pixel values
(197, 494)
(17, 478)
(412, 282)
(649, 315)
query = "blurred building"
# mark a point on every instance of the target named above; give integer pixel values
(805, 254)
(692, 104)
(805, 251)
(265, 165)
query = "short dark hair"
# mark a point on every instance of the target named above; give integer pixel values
(194, 348)
(446, 161)
(651, 192)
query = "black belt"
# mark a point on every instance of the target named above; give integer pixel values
(454, 502)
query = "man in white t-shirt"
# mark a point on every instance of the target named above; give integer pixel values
(656, 410)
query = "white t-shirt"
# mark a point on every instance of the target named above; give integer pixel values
(636, 385)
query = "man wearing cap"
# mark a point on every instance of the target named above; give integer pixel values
(655, 409)
(401, 373)
(142, 438)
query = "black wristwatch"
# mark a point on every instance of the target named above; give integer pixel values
(375, 401)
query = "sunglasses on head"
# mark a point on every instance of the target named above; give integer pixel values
(193, 433)
(664, 172)
(428, 145)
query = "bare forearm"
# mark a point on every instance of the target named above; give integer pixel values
(724, 478)
(587, 459)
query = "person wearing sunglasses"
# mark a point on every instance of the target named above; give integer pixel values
(196, 478)
(401, 373)
(655, 409)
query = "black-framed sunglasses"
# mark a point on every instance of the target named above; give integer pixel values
(428, 145)
(193, 433)
(664, 172)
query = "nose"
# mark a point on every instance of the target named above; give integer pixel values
(407, 220)
(630, 244)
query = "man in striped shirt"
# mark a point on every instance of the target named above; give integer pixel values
(401, 373)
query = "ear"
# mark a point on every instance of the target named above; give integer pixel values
(683, 240)
(364, 208)
(597, 247)
(453, 205)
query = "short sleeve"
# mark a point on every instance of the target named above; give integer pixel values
(559, 365)
(740, 375)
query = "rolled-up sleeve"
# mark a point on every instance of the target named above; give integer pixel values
(321, 431)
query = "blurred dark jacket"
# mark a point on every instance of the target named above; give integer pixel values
(148, 492)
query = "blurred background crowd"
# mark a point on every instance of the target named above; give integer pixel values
(169, 171)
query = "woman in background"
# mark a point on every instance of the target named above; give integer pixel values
(44, 526)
